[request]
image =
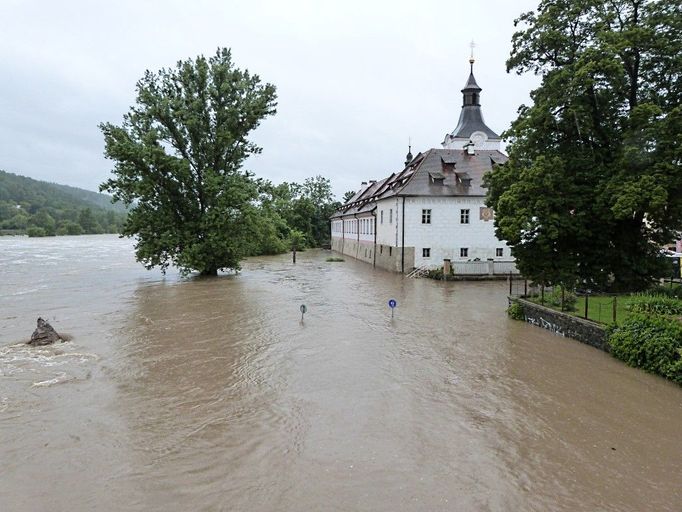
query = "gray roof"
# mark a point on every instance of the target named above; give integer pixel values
(470, 121)
(456, 167)
(471, 116)
(471, 83)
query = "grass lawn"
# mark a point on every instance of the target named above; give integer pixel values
(600, 307)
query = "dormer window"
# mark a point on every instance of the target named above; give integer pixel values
(436, 178)
(464, 179)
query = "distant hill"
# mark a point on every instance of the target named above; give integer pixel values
(40, 208)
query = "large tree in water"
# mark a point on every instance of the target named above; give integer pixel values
(593, 185)
(179, 156)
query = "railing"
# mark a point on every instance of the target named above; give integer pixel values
(599, 307)
(419, 271)
(472, 268)
(482, 268)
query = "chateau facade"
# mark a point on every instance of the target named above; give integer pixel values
(434, 208)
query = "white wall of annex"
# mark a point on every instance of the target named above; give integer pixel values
(388, 232)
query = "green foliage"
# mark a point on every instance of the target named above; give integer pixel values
(666, 290)
(178, 165)
(69, 228)
(348, 196)
(439, 273)
(515, 311)
(592, 186)
(297, 240)
(650, 342)
(305, 208)
(334, 259)
(35, 231)
(656, 304)
(25, 202)
(555, 298)
(436, 273)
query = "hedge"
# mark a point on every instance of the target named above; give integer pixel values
(653, 343)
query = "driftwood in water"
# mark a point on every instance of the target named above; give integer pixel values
(44, 334)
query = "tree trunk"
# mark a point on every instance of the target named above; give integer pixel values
(209, 272)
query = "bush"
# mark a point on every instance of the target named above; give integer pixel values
(515, 311)
(35, 231)
(334, 259)
(570, 298)
(435, 273)
(656, 304)
(666, 290)
(651, 343)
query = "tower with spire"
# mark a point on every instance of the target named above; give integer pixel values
(432, 210)
(471, 130)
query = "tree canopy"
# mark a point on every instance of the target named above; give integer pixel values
(178, 164)
(593, 185)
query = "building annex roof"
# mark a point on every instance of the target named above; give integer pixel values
(436, 173)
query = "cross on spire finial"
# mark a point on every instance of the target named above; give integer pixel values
(472, 45)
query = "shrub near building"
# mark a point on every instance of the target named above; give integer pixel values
(651, 338)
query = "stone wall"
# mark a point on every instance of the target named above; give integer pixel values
(564, 324)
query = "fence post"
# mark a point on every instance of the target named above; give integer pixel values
(525, 288)
(510, 283)
(614, 308)
(587, 295)
(563, 297)
(542, 294)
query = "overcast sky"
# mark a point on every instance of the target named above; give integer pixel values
(354, 79)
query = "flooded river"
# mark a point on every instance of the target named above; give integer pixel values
(211, 394)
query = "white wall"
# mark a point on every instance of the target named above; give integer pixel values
(389, 232)
(446, 235)
(352, 228)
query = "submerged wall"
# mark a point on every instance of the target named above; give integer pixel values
(564, 324)
(386, 257)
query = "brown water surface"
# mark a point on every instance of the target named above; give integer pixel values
(211, 394)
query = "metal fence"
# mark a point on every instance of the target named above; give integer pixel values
(599, 307)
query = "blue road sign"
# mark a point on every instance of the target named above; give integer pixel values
(303, 308)
(392, 303)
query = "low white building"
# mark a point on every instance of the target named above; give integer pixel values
(434, 208)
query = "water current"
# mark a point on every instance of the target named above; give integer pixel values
(212, 394)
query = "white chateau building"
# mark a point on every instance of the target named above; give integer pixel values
(434, 208)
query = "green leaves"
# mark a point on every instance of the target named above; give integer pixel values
(178, 162)
(653, 343)
(593, 185)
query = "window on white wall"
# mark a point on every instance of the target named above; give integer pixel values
(426, 216)
(382, 216)
(464, 216)
(390, 216)
(464, 252)
(426, 252)
(499, 252)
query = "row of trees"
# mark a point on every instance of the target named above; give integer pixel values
(593, 186)
(48, 221)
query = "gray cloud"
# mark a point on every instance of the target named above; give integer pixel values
(355, 79)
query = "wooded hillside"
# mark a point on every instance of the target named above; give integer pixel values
(39, 208)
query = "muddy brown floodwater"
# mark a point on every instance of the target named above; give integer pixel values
(211, 394)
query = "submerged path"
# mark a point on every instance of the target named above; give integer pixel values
(210, 394)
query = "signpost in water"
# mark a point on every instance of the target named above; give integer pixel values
(392, 304)
(303, 309)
